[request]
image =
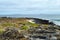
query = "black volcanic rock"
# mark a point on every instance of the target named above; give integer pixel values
(41, 21)
(11, 33)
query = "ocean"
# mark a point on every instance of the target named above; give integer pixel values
(52, 17)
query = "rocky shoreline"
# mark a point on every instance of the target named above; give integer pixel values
(27, 28)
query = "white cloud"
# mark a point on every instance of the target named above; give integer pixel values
(29, 6)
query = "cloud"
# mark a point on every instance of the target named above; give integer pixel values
(29, 6)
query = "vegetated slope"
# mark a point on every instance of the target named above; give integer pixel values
(22, 26)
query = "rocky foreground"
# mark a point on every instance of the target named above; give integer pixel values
(27, 28)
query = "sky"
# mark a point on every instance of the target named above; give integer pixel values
(29, 7)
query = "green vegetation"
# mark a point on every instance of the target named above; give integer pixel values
(33, 24)
(1, 31)
(25, 28)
